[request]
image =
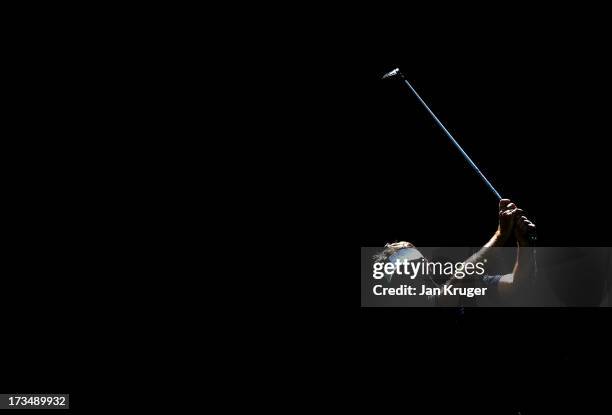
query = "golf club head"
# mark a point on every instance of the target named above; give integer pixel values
(394, 73)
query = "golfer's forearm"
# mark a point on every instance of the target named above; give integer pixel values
(496, 240)
(523, 266)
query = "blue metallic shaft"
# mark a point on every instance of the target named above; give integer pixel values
(449, 135)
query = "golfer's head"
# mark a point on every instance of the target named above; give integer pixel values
(398, 251)
(391, 249)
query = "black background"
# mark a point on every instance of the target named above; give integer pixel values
(526, 98)
(53, 291)
(524, 92)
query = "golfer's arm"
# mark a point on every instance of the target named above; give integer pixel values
(510, 283)
(496, 241)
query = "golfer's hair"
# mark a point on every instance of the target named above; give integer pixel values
(384, 255)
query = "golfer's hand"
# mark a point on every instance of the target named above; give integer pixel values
(523, 228)
(507, 212)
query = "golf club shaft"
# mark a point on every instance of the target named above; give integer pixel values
(449, 135)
